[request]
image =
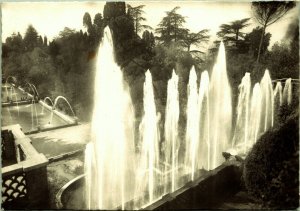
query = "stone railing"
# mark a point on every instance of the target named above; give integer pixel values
(24, 184)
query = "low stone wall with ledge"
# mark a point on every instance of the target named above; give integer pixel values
(24, 184)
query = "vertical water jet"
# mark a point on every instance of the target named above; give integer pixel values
(110, 158)
(267, 101)
(220, 109)
(192, 126)
(148, 157)
(171, 131)
(241, 132)
(287, 92)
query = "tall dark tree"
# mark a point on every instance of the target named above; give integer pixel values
(195, 38)
(45, 41)
(40, 41)
(148, 38)
(253, 39)
(232, 31)
(136, 13)
(87, 22)
(98, 27)
(30, 38)
(267, 13)
(15, 42)
(114, 9)
(122, 28)
(171, 27)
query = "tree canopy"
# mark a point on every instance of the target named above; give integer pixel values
(232, 31)
(267, 13)
(136, 13)
(171, 27)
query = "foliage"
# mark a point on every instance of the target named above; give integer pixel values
(196, 39)
(66, 65)
(232, 31)
(271, 169)
(253, 39)
(31, 38)
(171, 27)
(267, 13)
(136, 14)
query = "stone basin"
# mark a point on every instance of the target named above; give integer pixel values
(208, 191)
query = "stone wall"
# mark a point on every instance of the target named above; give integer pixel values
(24, 184)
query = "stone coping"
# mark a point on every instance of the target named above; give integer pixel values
(169, 198)
(190, 189)
(59, 195)
(33, 158)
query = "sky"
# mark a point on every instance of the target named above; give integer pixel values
(49, 18)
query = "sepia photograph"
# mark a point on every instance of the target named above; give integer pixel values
(150, 105)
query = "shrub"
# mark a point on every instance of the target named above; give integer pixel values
(271, 168)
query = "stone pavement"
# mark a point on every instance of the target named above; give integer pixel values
(61, 141)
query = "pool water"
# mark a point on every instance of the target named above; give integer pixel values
(30, 117)
(8, 93)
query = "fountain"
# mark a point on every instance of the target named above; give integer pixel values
(204, 122)
(54, 106)
(192, 128)
(171, 146)
(49, 99)
(278, 94)
(241, 136)
(6, 86)
(287, 92)
(35, 90)
(220, 110)
(16, 98)
(110, 155)
(148, 158)
(277, 101)
(117, 176)
(255, 114)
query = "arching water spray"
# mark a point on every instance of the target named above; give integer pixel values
(49, 100)
(54, 106)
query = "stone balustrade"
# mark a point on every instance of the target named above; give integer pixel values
(24, 184)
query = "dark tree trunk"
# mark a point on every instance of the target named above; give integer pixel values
(260, 43)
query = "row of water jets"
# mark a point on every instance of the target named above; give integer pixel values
(116, 174)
